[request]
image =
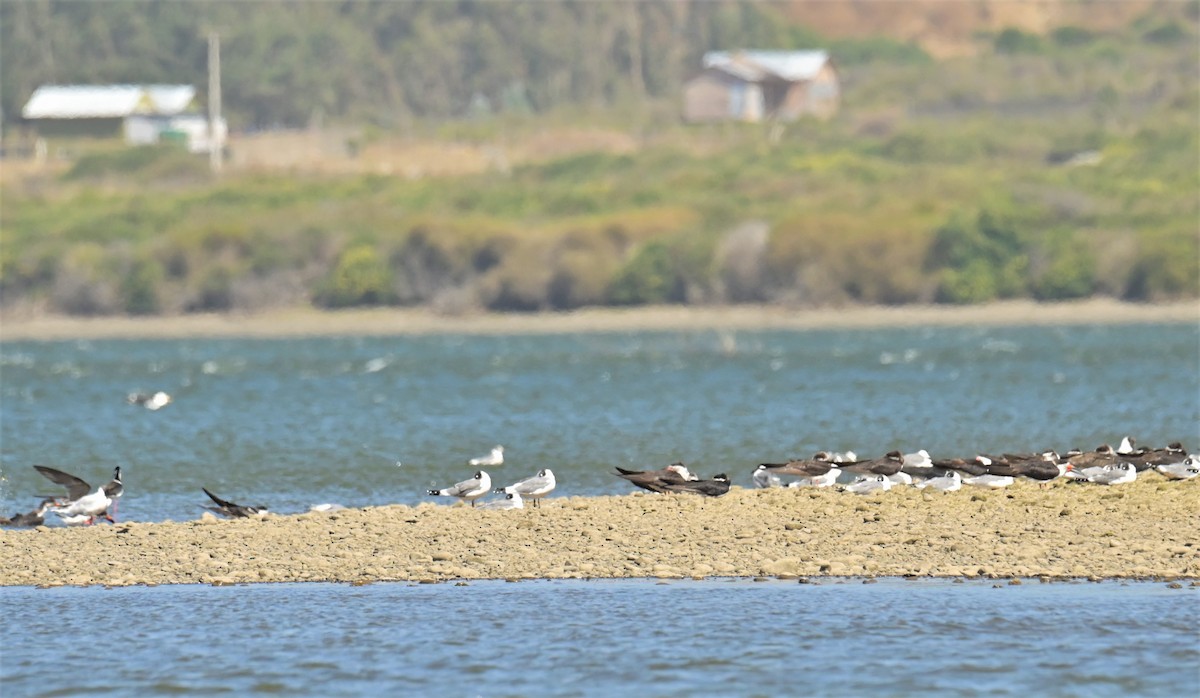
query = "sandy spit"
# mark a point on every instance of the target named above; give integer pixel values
(393, 321)
(1143, 529)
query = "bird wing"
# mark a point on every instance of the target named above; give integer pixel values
(76, 488)
(218, 500)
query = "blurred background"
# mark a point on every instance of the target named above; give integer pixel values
(167, 158)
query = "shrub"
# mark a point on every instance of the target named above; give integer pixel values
(1013, 40)
(359, 278)
(140, 287)
(649, 277)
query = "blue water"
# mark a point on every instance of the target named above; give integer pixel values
(606, 638)
(367, 421)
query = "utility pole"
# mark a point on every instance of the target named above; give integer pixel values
(215, 137)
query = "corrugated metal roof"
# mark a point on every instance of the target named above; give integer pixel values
(106, 101)
(755, 65)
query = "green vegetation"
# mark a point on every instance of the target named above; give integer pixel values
(1048, 167)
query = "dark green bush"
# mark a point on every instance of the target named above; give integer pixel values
(649, 277)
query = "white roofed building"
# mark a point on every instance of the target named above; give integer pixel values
(140, 114)
(758, 85)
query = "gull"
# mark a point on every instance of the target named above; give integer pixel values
(865, 484)
(511, 500)
(951, 481)
(155, 401)
(80, 498)
(325, 508)
(714, 487)
(496, 457)
(901, 478)
(75, 520)
(534, 487)
(469, 490)
(657, 480)
(1126, 446)
(33, 518)
(826, 480)
(764, 478)
(235, 511)
(1186, 469)
(992, 481)
(1115, 474)
(918, 463)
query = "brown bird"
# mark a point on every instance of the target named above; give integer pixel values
(657, 480)
(34, 518)
(715, 487)
(816, 466)
(890, 464)
(1146, 458)
(234, 511)
(1102, 456)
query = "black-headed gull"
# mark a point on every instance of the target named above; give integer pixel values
(1186, 469)
(764, 478)
(534, 487)
(469, 490)
(951, 481)
(985, 480)
(80, 498)
(510, 500)
(826, 480)
(866, 484)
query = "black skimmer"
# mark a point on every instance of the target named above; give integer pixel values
(235, 511)
(151, 401)
(1043, 468)
(657, 480)
(713, 487)
(511, 500)
(534, 487)
(890, 464)
(80, 498)
(1103, 455)
(33, 518)
(1146, 458)
(496, 457)
(818, 465)
(970, 466)
(469, 490)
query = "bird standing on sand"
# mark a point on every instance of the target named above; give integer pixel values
(534, 487)
(469, 490)
(235, 511)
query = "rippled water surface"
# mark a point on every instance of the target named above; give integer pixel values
(362, 421)
(601, 638)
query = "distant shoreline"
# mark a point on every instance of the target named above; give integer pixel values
(299, 322)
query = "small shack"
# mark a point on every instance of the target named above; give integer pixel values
(757, 85)
(138, 114)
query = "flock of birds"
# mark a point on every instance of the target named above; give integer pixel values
(1105, 466)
